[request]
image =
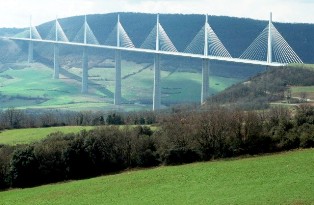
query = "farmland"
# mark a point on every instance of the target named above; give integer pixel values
(29, 135)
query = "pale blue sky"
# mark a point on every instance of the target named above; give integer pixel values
(15, 13)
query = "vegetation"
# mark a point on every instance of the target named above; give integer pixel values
(284, 178)
(183, 137)
(276, 84)
(30, 135)
(21, 87)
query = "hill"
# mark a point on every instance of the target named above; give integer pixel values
(285, 85)
(284, 178)
(21, 86)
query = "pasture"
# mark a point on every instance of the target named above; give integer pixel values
(29, 135)
(31, 86)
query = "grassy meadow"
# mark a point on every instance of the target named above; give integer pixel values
(285, 178)
(31, 86)
(29, 135)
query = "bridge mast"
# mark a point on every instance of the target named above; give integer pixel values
(117, 93)
(30, 43)
(85, 61)
(205, 66)
(269, 47)
(157, 91)
(56, 54)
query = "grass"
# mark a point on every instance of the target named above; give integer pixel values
(29, 135)
(31, 86)
(285, 178)
(304, 66)
(137, 83)
(305, 91)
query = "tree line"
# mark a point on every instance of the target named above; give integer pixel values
(15, 118)
(182, 136)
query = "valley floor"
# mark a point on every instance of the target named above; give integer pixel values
(30, 86)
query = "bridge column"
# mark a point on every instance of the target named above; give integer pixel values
(205, 80)
(56, 67)
(30, 52)
(157, 90)
(117, 93)
(84, 71)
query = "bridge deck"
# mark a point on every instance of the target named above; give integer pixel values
(141, 50)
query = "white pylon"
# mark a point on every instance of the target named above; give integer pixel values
(269, 46)
(30, 43)
(85, 30)
(157, 33)
(56, 53)
(206, 37)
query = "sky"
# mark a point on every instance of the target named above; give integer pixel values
(16, 13)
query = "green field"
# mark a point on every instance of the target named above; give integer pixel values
(304, 66)
(29, 135)
(303, 91)
(285, 178)
(31, 86)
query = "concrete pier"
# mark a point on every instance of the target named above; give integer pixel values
(30, 52)
(56, 67)
(205, 80)
(117, 93)
(157, 90)
(85, 71)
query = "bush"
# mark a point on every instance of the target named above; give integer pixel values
(181, 156)
(306, 133)
(49, 155)
(76, 159)
(24, 168)
(5, 157)
(144, 151)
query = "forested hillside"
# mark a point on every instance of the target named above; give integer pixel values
(273, 85)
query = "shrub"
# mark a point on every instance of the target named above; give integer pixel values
(181, 156)
(306, 133)
(24, 167)
(5, 157)
(49, 155)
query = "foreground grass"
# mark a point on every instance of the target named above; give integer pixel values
(29, 135)
(286, 178)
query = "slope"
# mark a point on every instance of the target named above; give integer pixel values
(31, 86)
(285, 85)
(284, 178)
